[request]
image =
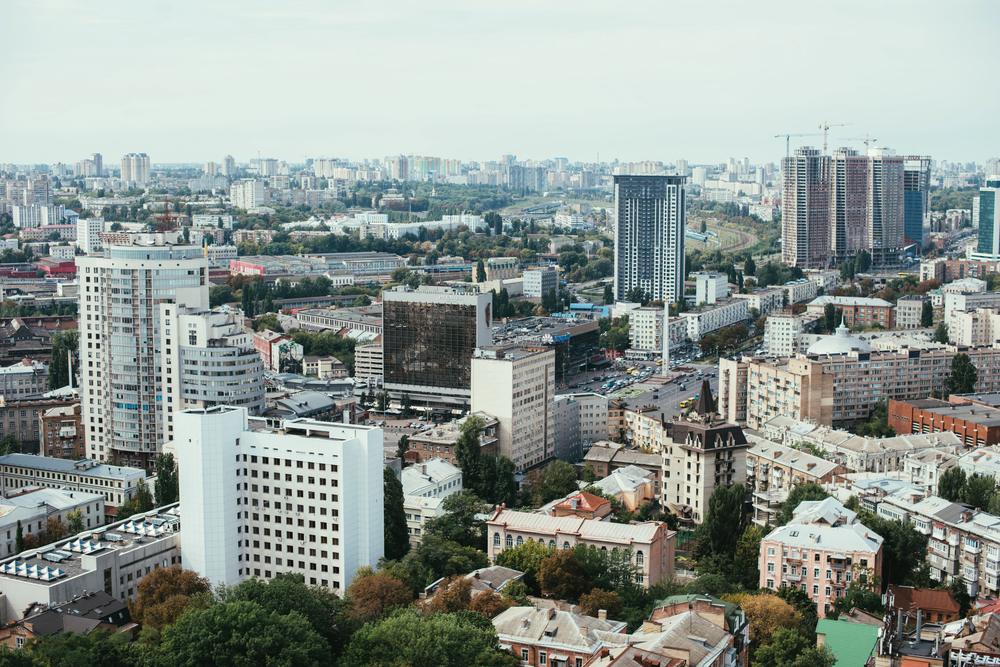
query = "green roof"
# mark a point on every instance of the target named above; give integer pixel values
(851, 643)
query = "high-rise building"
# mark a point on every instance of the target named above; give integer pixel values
(805, 222)
(428, 337)
(248, 193)
(88, 232)
(682, 167)
(399, 168)
(989, 221)
(98, 161)
(885, 205)
(37, 215)
(124, 345)
(135, 169)
(917, 200)
(268, 166)
(324, 521)
(210, 169)
(228, 166)
(649, 235)
(848, 202)
(517, 386)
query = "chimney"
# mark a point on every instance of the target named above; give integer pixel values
(920, 622)
(637, 658)
(650, 627)
(524, 622)
(605, 651)
(573, 503)
(602, 614)
(552, 613)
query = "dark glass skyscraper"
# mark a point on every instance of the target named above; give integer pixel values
(917, 200)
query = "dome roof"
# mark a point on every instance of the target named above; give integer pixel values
(842, 342)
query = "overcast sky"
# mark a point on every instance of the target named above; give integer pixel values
(191, 81)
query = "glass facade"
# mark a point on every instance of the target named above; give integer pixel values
(428, 344)
(987, 220)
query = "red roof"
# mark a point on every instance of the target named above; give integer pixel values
(927, 599)
(586, 502)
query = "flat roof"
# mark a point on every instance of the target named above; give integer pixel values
(970, 412)
(67, 466)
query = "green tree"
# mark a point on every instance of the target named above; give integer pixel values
(562, 576)
(749, 267)
(724, 520)
(480, 272)
(397, 539)
(268, 321)
(19, 538)
(960, 592)
(9, 444)
(877, 424)
(927, 314)
(951, 483)
(468, 451)
(402, 447)
(527, 558)
(555, 480)
(220, 294)
(439, 640)
(589, 476)
(504, 484)
(862, 262)
(244, 633)
(74, 520)
(609, 295)
(941, 333)
(830, 317)
(598, 599)
(788, 648)
(800, 494)
(963, 376)
(903, 548)
(362, 301)
(166, 486)
(978, 491)
(459, 523)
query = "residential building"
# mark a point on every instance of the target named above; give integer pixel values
(975, 425)
(981, 461)
(581, 504)
(806, 228)
(135, 170)
(646, 329)
(631, 485)
(783, 333)
(83, 614)
(115, 484)
(554, 637)
(988, 248)
(857, 453)
(425, 487)
(800, 291)
(909, 309)
(368, 360)
(21, 417)
(62, 433)
(429, 338)
(698, 631)
(651, 543)
(501, 268)
(885, 208)
(649, 236)
(212, 220)
(538, 282)
(934, 606)
(972, 325)
(707, 319)
(773, 470)
(917, 200)
(710, 286)
(580, 420)
(248, 193)
(517, 386)
(439, 441)
(274, 348)
(766, 300)
(605, 457)
(324, 367)
(20, 380)
(858, 311)
(817, 551)
(123, 369)
(925, 467)
(330, 502)
(38, 215)
(848, 203)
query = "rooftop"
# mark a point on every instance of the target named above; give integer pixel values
(584, 529)
(88, 467)
(793, 458)
(851, 643)
(849, 301)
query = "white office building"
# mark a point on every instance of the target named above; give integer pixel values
(38, 215)
(259, 501)
(517, 386)
(537, 282)
(88, 232)
(710, 286)
(248, 193)
(212, 220)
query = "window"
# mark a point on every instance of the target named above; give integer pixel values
(542, 657)
(639, 558)
(496, 539)
(520, 540)
(524, 655)
(510, 541)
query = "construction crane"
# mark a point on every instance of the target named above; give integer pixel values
(867, 139)
(788, 140)
(166, 221)
(826, 126)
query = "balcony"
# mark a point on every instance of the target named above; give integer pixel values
(67, 432)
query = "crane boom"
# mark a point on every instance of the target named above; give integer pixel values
(788, 140)
(826, 126)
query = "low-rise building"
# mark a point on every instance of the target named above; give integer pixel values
(439, 440)
(858, 311)
(983, 461)
(631, 485)
(425, 487)
(766, 300)
(651, 543)
(361, 318)
(606, 457)
(552, 636)
(115, 484)
(975, 425)
(773, 470)
(688, 632)
(62, 433)
(925, 467)
(34, 506)
(324, 367)
(83, 614)
(501, 268)
(817, 551)
(934, 606)
(580, 421)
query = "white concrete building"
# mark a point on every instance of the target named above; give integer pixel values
(38, 215)
(801, 290)
(220, 255)
(308, 497)
(135, 170)
(62, 251)
(978, 327)
(212, 220)
(581, 419)
(517, 386)
(425, 487)
(766, 300)
(783, 333)
(115, 484)
(248, 193)
(712, 318)
(646, 329)
(909, 309)
(33, 506)
(710, 286)
(965, 302)
(537, 282)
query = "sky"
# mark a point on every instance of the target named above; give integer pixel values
(193, 81)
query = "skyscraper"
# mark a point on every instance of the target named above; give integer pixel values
(805, 203)
(917, 200)
(649, 235)
(428, 338)
(989, 221)
(135, 169)
(848, 202)
(885, 205)
(228, 166)
(137, 365)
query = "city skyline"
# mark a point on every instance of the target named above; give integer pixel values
(523, 90)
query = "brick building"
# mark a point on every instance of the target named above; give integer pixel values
(858, 311)
(62, 433)
(976, 425)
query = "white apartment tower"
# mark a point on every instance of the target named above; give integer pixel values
(307, 498)
(649, 236)
(228, 166)
(247, 193)
(135, 169)
(88, 232)
(124, 347)
(517, 386)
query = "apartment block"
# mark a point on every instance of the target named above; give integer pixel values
(646, 329)
(308, 497)
(248, 193)
(550, 636)
(766, 300)
(805, 202)
(783, 333)
(62, 433)
(817, 550)
(858, 311)
(977, 327)
(580, 420)
(517, 386)
(974, 424)
(712, 318)
(710, 286)
(909, 309)
(773, 470)
(801, 290)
